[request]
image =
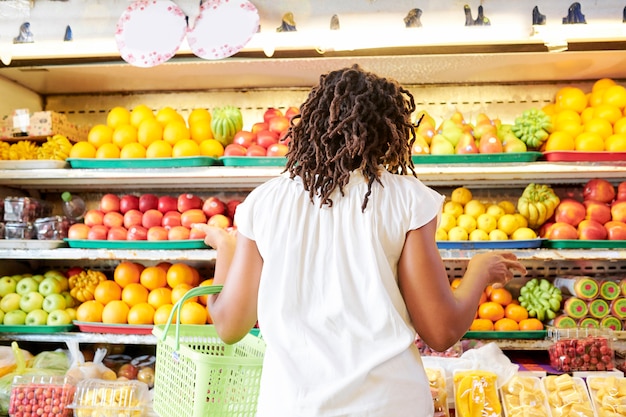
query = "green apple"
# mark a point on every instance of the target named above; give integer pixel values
(49, 286)
(31, 301)
(38, 278)
(26, 285)
(37, 317)
(10, 302)
(59, 318)
(7, 285)
(72, 312)
(15, 317)
(1, 316)
(69, 300)
(59, 276)
(53, 302)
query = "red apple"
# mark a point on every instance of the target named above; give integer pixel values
(129, 202)
(489, 143)
(621, 191)
(137, 232)
(167, 203)
(283, 138)
(233, 149)
(244, 138)
(270, 113)
(113, 219)
(278, 124)
(117, 233)
(196, 234)
(257, 127)
(148, 202)
(78, 231)
(291, 111)
(132, 218)
(189, 217)
(256, 150)
(616, 230)
(75, 270)
(171, 219)
(265, 138)
(591, 230)
(188, 201)
(212, 206)
(151, 218)
(219, 220)
(277, 149)
(232, 207)
(109, 202)
(157, 233)
(598, 211)
(94, 217)
(618, 211)
(98, 232)
(570, 211)
(178, 233)
(128, 371)
(543, 229)
(561, 231)
(600, 190)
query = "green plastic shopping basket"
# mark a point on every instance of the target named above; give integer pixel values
(198, 375)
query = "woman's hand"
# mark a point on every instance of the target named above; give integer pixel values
(496, 268)
(216, 237)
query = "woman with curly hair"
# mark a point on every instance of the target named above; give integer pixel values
(336, 258)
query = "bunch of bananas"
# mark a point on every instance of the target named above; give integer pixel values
(4, 150)
(83, 284)
(532, 127)
(225, 122)
(537, 204)
(476, 394)
(23, 149)
(56, 147)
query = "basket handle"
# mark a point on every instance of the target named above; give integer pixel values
(194, 292)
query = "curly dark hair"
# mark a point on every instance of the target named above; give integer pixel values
(353, 119)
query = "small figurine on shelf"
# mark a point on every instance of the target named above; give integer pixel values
(480, 20)
(288, 23)
(412, 19)
(538, 18)
(334, 22)
(574, 14)
(68, 34)
(624, 15)
(25, 35)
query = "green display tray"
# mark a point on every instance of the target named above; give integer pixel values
(5, 328)
(477, 158)
(585, 244)
(253, 161)
(490, 244)
(136, 244)
(512, 334)
(182, 162)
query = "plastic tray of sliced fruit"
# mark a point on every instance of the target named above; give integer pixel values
(607, 392)
(524, 395)
(567, 396)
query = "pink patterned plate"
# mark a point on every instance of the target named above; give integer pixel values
(149, 32)
(223, 28)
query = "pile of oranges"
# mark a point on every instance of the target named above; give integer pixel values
(145, 295)
(500, 312)
(592, 121)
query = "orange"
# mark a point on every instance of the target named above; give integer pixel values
(118, 116)
(90, 311)
(179, 273)
(153, 277)
(115, 312)
(530, 324)
(99, 135)
(515, 312)
(168, 114)
(133, 150)
(483, 298)
(560, 141)
(608, 112)
(573, 127)
(488, 290)
(107, 291)
(600, 126)
(200, 131)
(140, 113)
(179, 291)
(149, 131)
(587, 114)
(193, 312)
(134, 294)
(566, 115)
(614, 95)
(505, 324)
(501, 296)
(589, 142)
(141, 313)
(212, 148)
(185, 147)
(164, 265)
(83, 150)
(595, 98)
(571, 98)
(455, 283)
(196, 277)
(549, 109)
(159, 149)
(127, 272)
(123, 135)
(620, 125)
(615, 143)
(491, 311)
(108, 151)
(175, 131)
(162, 313)
(602, 84)
(481, 325)
(199, 114)
(203, 299)
(160, 296)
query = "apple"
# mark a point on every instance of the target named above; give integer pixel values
(53, 302)
(132, 218)
(244, 138)
(213, 205)
(113, 219)
(10, 302)
(257, 127)
(109, 202)
(291, 111)
(570, 211)
(49, 286)
(71, 312)
(195, 234)
(157, 233)
(598, 211)
(621, 191)
(167, 203)
(69, 300)
(78, 231)
(171, 219)
(93, 217)
(178, 233)
(129, 202)
(233, 149)
(127, 370)
(31, 301)
(146, 375)
(137, 232)
(616, 230)
(15, 318)
(36, 317)
(543, 229)
(75, 270)
(188, 201)
(277, 149)
(219, 220)
(7, 285)
(117, 233)
(591, 230)
(152, 217)
(189, 217)
(600, 190)
(278, 124)
(59, 276)
(148, 202)
(26, 285)
(59, 318)
(265, 138)
(561, 231)
(618, 211)
(256, 150)
(38, 278)
(232, 207)
(489, 143)
(98, 232)
(270, 113)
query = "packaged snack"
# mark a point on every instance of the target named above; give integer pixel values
(567, 396)
(475, 394)
(437, 382)
(524, 396)
(585, 288)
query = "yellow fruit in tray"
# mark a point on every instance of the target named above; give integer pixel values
(467, 222)
(140, 113)
(199, 114)
(508, 224)
(133, 150)
(616, 143)
(83, 150)
(141, 313)
(441, 234)
(454, 208)
(474, 208)
(458, 233)
(118, 116)
(478, 235)
(108, 151)
(123, 135)
(589, 142)
(602, 127)
(507, 206)
(447, 221)
(486, 222)
(168, 114)
(560, 141)
(523, 233)
(185, 147)
(498, 234)
(212, 148)
(497, 210)
(159, 149)
(200, 131)
(99, 135)
(115, 312)
(149, 131)
(461, 195)
(175, 131)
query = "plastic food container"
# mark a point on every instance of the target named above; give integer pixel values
(524, 395)
(19, 231)
(608, 393)
(101, 398)
(41, 395)
(438, 390)
(567, 396)
(25, 209)
(581, 349)
(52, 228)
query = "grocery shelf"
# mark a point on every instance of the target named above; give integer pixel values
(80, 337)
(109, 254)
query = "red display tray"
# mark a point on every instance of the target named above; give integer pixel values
(97, 327)
(577, 156)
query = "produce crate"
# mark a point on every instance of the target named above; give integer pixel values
(42, 124)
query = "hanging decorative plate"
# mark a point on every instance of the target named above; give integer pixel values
(223, 28)
(149, 32)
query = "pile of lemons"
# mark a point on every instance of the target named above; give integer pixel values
(465, 218)
(144, 133)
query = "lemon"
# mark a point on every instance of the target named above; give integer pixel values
(523, 233)
(447, 221)
(486, 222)
(108, 151)
(508, 223)
(467, 222)
(197, 115)
(149, 130)
(441, 234)
(498, 234)
(474, 208)
(507, 206)
(168, 114)
(478, 234)
(457, 233)
(99, 135)
(133, 150)
(83, 150)
(461, 195)
(124, 134)
(174, 131)
(212, 148)
(159, 149)
(495, 210)
(118, 116)
(454, 208)
(521, 220)
(185, 147)
(140, 113)
(200, 130)
(616, 143)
